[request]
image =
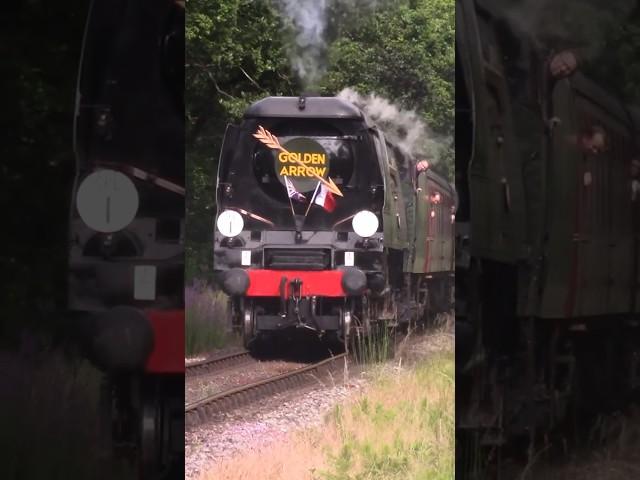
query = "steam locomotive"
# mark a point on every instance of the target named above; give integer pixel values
(546, 238)
(324, 226)
(126, 263)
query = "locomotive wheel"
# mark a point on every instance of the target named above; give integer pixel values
(118, 425)
(236, 315)
(151, 437)
(422, 301)
(366, 315)
(106, 408)
(346, 329)
(159, 430)
(248, 325)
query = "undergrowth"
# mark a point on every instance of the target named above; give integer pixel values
(207, 324)
(51, 420)
(402, 429)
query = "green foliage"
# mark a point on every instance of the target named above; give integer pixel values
(606, 37)
(52, 422)
(405, 53)
(234, 56)
(237, 53)
(374, 348)
(207, 320)
(617, 66)
(407, 437)
(40, 61)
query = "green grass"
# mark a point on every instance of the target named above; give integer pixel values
(403, 429)
(400, 427)
(207, 324)
(50, 418)
(374, 348)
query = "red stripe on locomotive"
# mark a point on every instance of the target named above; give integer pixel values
(266, 283)
(168, 348)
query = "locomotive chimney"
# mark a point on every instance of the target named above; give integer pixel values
(302, 99)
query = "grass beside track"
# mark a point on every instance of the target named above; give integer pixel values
(401, 427)
(207, 324)
(51, 421)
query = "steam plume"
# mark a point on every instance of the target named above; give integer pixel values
(309, 20)
(404, 128)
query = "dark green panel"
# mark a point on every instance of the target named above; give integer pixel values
(561, 206)
(495, 173)
(393, 214)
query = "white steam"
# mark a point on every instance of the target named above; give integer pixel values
(309, 20)
(404, 128)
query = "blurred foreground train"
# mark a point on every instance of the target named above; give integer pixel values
(324, 226)
(127, 224)
(547, 244)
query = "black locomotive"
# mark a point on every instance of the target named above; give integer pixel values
(325, 226)
(126, 262)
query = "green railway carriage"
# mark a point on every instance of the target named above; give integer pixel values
(591, 228)
(527, 177)
(546, 233)
(430, 257)
(433, 245)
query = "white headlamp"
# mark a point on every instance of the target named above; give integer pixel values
(230, 223)
(365, 223)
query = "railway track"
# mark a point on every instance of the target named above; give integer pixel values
(211, 364)
(200, 411)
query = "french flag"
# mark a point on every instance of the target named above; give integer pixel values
(324, 198)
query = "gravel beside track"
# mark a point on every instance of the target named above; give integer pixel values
(259, 425)
(207, 408)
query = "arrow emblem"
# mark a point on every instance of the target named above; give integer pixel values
(272, 141)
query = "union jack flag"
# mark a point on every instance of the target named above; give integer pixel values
(292, 192)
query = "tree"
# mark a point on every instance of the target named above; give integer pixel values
(405, 53)
(40, 63)
(234, 56)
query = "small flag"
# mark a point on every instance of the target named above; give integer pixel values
(292, 192)
(325, 199)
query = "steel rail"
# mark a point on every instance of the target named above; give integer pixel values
(207, 366)
(199, 411)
